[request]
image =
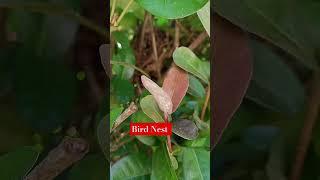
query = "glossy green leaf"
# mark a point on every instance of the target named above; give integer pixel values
(161, 165)
(195, 87)
(187, 60)
(196, 164)
(16, 164)
(123, 53)
(114, 114)
(274, 85)
(131, 166)
(141, 117)
(204, 16)
(284, 26)
(185, 128)
(172, 9)
(92, 167)
(150, 108)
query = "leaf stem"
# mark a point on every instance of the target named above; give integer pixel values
(168, 137)
(203, 112)
(123, 13)
(131, 66)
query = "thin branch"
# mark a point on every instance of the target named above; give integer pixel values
(306, 133)
(198, 41)
(128, 112)
(113, 9)
(143, 31)
(155, 51)
(123, 13)
(203, 112)
(118, 145)
(131, 66)
(176, 35)
(68, 152)
(168, 137)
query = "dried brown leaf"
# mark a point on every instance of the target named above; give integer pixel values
(176, 84)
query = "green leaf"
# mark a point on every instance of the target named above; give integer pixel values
(187, 60)
(16, 164)
(195, 87)
(199, 142)
(172, 9)
(114, 114)
(204, 16)
(196, 164)
(92, 167)
(124, 53)
(131, 166)
(274, 85)
(185, 129)
(150, 108)
(122, 89)
(161, 165)
(141, 117)
(290, 28)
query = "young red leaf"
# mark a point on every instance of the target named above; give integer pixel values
(176, 84)
(232, 69)
(162, 98)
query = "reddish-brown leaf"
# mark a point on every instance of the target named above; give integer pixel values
(176, 84)
(232, 69)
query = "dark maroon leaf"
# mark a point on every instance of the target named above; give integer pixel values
(232, 69)
(176, 84)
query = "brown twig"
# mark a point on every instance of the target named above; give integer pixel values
(186, 31)
(306, 133)
(123, 116)
(198, 40)
(203, 112)
(155, 51)
(69, 151)
(176, 35)
(118, 145)
(142, 34)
